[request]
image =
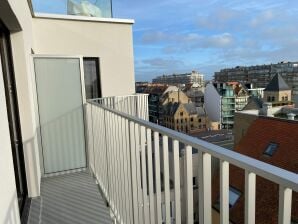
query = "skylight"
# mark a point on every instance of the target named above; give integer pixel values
(271, 149)
(233, 196)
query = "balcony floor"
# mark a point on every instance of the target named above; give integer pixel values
(70, 198)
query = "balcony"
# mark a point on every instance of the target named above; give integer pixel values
(89, 8)
(145, 171)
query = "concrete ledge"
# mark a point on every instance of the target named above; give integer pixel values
(83, 18)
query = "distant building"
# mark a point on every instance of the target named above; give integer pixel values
(196, 93)
(277, 97)
(176, 79)
(174, 95)
(185, 117)
(222, 100)
(260, 75)
(269, 140)
(155, 93)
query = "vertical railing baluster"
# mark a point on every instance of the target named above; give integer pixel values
(189, 184)
(285, 205)
(120, 167)
(126, 174)
(177, 181)
(205, 188)
(224, 192)
(109, 146)
(128, 177)
(250, 197)
(113, 161)
(133, 164)
(157, 178)
(144, 174)
(150, 176)
(139, 175)
(166, 177)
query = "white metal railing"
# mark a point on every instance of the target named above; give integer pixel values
(127, 155)
(135, 104)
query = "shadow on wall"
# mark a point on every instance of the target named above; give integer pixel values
(58, 135)
(12, 213)
(63, 141)
(30, 148)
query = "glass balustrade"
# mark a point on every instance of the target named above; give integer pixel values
(92, 8)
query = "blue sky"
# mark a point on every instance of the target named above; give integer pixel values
(173, 36)
(207, 35)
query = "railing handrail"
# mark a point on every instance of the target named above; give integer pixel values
(105, 97)
(275, 174)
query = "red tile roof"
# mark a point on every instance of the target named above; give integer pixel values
(261, 132)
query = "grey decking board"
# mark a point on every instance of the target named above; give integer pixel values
(69, 199)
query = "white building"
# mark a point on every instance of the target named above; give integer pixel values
(212, 101)
(43, 58)
(222, 100)
(176, 79)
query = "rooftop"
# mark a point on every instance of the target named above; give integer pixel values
(262, 134)
(277, 84)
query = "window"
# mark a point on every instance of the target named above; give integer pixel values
(268, 98)
(92, 79)
(191, 119)
(234, 195)
(181, 120)
(181, 113)
(283, 98)
(286, 98)
(271, 149)
(273, 99)
(200, 119)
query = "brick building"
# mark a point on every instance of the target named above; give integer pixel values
(272, 141)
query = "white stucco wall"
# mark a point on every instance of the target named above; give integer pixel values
(22, 43)
(212, 103)
(110, 41)
(16, 16)
(9, 211)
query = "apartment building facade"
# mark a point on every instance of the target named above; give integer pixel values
(222, 100)
(176, 79)
(185, 117)
(260, 75)
(35, 45)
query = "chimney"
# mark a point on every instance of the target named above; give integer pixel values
(291, 116)
(267, 109)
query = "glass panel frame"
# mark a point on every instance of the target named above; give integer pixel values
(89, 8)
(37, 109)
